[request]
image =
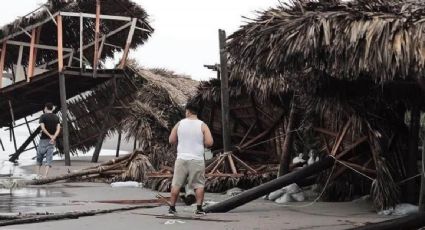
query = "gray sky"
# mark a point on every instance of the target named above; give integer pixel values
(186, 31)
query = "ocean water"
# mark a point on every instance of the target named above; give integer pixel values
(9, 169)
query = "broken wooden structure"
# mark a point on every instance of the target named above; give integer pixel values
(351, 94)
(58, 51)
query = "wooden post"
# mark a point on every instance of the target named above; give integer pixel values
(98, 147)
(62, 89)
(422, 191)
(285, 156)
(127, 45)
(2, 61)
(118, 143)
(96, 37)
(12, 130)
(31, 61)
(412, 156)
(81, 41)
(225, 123)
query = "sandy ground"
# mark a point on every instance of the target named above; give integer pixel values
(260, 214)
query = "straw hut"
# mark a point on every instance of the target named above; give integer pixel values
(354, 66)
(144, 106)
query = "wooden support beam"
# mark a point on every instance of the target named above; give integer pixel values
(119, 29)
(422, 191)
(2, 61)
(245, 165)
(99, 143)
(118, 143)
(60, 43)
(351, 147)
(287, 143)
(14, 157)
(340, 138)
(324, 131)
(101, 16)
(411, 188)
(38, 46)
(31, 61)
(81, 40)
(232, 164)
(225, 117)
(29, 131)
(96, 37)
(128, 43)
(247, 133)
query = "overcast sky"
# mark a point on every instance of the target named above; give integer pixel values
(186, 31)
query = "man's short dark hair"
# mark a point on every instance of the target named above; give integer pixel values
(49, 106)
(192, 108)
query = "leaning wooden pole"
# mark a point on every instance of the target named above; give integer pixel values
(224, 91)
(271, 186)
(118, 143)
(14, 157)
(413, 155)
(62, 89)
(286, 154)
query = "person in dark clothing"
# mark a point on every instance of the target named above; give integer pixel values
(50, 126)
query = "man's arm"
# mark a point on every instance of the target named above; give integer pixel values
(58, 130)
(43, 128)
(173, 135)
(208, 139)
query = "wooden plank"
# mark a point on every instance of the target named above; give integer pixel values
(2, 61)
(31, 61)
(247, 133)
(60, 43)
(128, 43)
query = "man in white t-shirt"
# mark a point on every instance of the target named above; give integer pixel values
(191, 136)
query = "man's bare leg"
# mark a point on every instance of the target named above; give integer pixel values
(47, 171)
(199, 192)
(38, 170)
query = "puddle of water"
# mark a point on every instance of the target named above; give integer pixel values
(26, 199)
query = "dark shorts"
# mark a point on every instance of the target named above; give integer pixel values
(45, 150)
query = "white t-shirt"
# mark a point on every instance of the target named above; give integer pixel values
(190, 138)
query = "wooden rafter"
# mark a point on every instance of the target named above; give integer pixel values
(127, 45)
(31, 61)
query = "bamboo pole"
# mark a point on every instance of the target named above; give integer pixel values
(118, 143)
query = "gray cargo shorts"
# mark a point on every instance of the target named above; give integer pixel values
(192, 171)
(45, 150)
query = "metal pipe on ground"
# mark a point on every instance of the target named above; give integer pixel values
(271, 186)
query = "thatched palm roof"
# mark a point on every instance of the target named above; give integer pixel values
(382, 40)
(72, 28)
(147, 106)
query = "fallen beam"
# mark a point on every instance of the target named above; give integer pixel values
(413, 221)
(271, 186)
(70, 215)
